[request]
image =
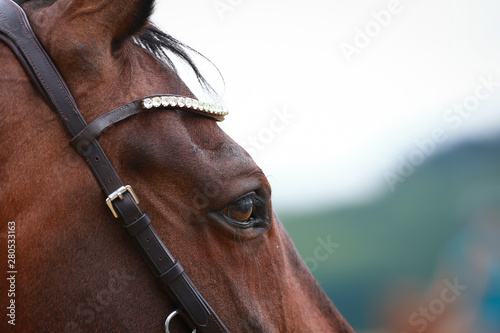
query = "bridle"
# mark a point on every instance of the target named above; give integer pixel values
(16, 32)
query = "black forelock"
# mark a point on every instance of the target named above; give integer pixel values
(160, 44)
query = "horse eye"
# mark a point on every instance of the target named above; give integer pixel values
(248, 215)
(240, 210)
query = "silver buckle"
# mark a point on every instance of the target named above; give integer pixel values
(119, 194)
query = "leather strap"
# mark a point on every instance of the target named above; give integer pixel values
(91, 132)
(15, 32)
(82, 140)
(172, 274)
(136, 227)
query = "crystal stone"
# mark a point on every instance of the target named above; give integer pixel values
(157, 102)
(195, 104)
(172, 101)
(164, 101)
(147, 103)
(181, 101)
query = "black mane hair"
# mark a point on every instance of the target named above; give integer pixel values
(159, 44)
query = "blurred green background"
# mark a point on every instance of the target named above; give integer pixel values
(400, 236)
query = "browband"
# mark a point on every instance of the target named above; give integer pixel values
(16, 32)
(91, 132)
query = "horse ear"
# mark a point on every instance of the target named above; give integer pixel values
(114, 20)
(136, 20)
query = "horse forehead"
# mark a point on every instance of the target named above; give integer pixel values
(187, 146)
(216, 151)
(204, 159)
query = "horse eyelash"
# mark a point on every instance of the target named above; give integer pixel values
(259, 202)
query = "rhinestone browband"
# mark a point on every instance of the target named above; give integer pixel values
(185, 103)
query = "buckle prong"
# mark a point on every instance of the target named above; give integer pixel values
(119, 194)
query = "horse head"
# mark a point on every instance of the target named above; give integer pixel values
(209, 202)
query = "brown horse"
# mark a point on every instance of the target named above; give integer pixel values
(77, 271)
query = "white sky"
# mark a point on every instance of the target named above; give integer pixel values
(352, 120)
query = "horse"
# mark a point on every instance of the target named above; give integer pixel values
(76, 270)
